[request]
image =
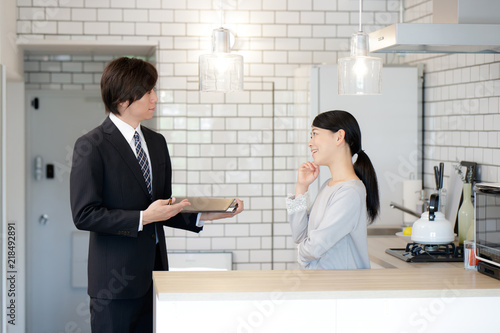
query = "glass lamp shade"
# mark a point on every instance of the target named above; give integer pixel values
(221, 72)
(360, 74)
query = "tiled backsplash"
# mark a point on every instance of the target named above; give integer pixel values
(247, 144)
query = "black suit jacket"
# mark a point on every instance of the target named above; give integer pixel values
(107, 193)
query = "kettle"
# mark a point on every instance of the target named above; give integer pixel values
(432, 227)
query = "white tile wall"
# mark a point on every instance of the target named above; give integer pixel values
(227, 145)
(462, 109)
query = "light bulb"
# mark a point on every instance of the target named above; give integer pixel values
(360, 68)
(221, 66)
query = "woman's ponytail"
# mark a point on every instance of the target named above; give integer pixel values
(336, 120)
(365, 171)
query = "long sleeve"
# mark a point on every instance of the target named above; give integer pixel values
(338, 220)
(298, 216)
(332, 233)
(87, 195)
(108, 192)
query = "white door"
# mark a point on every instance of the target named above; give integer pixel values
(57, 301)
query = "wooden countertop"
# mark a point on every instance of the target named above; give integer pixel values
(306, 284)
(410, 280)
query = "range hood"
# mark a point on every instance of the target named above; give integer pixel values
(460, 26)
(436, 38)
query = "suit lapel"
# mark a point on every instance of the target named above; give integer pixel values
(115, 137)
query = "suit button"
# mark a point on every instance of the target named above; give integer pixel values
(153, 236)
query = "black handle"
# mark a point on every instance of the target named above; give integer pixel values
(441, 175)
(433, 206)
(436, 176)
(35, 103)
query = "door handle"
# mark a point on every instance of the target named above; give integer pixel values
(43, 219)
(38, 167)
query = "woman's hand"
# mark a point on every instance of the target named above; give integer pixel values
(162, 210)
(308, 172)
(217, 216)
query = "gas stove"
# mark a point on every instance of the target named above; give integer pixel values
(415, 252)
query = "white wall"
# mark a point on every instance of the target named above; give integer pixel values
(221, 145)
(16, 191)
(10, 57)
(227, 145)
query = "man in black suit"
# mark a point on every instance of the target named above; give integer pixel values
(120, 189)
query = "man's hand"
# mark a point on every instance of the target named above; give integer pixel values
(162, 210)
(218, 216)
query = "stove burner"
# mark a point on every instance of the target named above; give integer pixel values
(415, 252)
(416, 248)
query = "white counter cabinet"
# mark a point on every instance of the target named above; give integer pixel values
(416, 298)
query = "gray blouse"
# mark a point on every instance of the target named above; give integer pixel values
(333, 234)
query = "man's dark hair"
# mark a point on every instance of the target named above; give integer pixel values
(126, 80)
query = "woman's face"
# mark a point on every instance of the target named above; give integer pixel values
(323, 145)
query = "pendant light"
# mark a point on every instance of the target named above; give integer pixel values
(359, 74)
(221, 71)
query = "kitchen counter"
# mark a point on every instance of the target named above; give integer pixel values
(412, 298)
(378, 244)
(321, 284)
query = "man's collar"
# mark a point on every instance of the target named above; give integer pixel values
(126, 130)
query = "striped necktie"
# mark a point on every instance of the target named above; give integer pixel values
(143, 162)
